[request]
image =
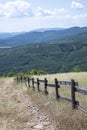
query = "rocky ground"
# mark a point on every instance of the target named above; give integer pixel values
(18, 112)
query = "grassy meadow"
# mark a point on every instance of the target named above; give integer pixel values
(60, 110)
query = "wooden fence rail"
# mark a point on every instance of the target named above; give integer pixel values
(72, 84)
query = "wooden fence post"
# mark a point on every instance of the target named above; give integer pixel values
(73, 94)
(33, 83)
(24, 79)
(56, 89)
(45, 86)
(28, 82)
(17, 79)
(38, 85)
(21, 79)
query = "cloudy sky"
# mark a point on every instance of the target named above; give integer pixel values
(26, 15)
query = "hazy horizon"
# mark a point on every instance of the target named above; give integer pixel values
(43, 29)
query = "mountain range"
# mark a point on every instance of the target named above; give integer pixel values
(8, 35)
(52, 51)
(59, 36)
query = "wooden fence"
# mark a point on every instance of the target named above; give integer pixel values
(31, 82)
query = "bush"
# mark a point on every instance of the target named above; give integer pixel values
(41, 72)
(21, 74)
(10, 74)
(37, 72)
(33, 72)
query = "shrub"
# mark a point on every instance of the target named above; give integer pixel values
(10, 74)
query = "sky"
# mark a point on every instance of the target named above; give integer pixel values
(27, 15)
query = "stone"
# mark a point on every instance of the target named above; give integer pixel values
(47, 123)
(31, 124)
(39, 126)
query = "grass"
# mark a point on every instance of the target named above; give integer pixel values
(14, 113)
(60, 110)
(80, 77)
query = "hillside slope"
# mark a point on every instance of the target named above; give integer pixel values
(52, 58)
(60, 36)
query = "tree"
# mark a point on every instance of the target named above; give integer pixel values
(33, 72)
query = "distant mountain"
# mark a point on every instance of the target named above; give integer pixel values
(47, 29)
(60, 36)
(8, 35)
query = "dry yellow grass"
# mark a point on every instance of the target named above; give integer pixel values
(17, 111)
(80, 77)
(61, 111)
(14, 113)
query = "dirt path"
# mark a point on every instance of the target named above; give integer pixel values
(17, 112)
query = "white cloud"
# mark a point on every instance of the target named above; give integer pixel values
(21, 8)
(77, 5)
(46, 12)
(18, 8)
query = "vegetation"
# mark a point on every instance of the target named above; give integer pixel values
(63, 54)
(51, 58)
(37, 72)
(30, 73)
(15, 108)
(60, 36)
(66, 51)
(60, 110)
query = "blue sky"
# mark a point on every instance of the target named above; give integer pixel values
(26, 15)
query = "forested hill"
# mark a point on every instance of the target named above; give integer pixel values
(59, 36)
(52, 58)
(51, 51)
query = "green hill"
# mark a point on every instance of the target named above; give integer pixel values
(50, 51)
(61, 36)
(52, 58)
